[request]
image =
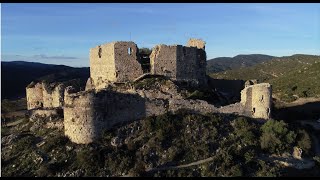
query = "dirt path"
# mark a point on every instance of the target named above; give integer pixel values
(290, 161)
(14, 123)
(298, 102)
(181, 166)
(150, 170)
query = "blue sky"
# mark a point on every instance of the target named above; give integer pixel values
(64, 33)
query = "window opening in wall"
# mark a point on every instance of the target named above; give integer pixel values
(253, 110)
(144, 59)
(268, 111)
(129, 50)
(99, 52)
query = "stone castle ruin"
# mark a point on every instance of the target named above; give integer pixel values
(111, 96)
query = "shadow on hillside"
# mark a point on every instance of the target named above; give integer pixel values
(229, 90)
(301, 112)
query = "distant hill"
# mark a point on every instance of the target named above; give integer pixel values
(16, 75)
(227, 63)
(291, 76)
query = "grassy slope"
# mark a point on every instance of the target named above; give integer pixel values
(291, 77)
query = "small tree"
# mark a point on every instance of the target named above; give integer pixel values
(276, 137)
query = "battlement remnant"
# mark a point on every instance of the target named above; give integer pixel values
(200, 44)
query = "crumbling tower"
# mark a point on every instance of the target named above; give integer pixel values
(181, 63)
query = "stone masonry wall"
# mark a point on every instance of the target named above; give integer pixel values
(257, 99)
(127, 65)
(246, 100)
(261, 100)
(179, 62)
(191, 64)
(114, 62)
(102, 64)
(34, 93)
(163, 60)
(88, 113)
(53, 95)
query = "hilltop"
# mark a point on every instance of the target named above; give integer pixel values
(16, 75)
(228, 63)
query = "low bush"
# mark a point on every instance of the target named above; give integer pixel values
(276, 137)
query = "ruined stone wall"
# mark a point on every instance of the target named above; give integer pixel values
(163, 60)
(53, 94)
(34, 93)
(179, 63)
(114, 62)
(102, 64)
(88, 113)
(246, 100)
(257, 99)
(33, 114)
(250, 82)
(191, 64)
(127, 65)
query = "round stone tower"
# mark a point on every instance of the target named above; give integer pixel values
(79, 117)
(261, 100)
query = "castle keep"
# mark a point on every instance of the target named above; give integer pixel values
(114, 62)
(111, 98)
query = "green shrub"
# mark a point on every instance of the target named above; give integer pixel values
(235, 171)
(304, 141)
(265, 170)
(245, 129)
(276, 137)
(139, 169)
(249, 155)
(317, 160)
(25, 143)
(90, 160)
(52, 142)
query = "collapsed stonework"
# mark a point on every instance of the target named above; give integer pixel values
(34, 94)
(42, 94)
(46, 94)
(110, 96)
